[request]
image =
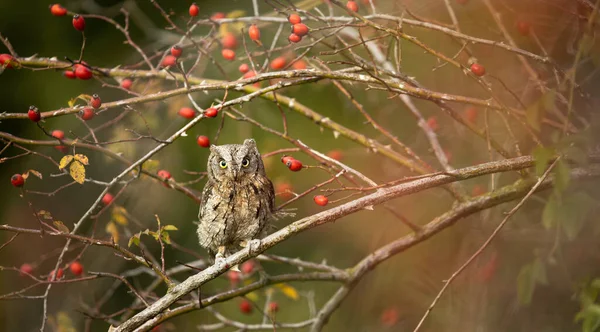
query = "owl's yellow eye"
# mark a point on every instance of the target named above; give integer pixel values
(245, 162)
(223, 164)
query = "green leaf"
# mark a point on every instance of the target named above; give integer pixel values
(134, 240)
(539, 271)
(562, 176)
(575, 208)
(170, 228)
(61, 227)
(542, 156)
(525, 284)
(551, 212)
(165, 237)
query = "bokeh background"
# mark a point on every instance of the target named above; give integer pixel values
(396, 294)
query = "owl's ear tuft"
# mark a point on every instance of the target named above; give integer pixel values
(213, 148)
(250, 142)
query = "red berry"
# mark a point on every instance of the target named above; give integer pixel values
(78, 22)
(294, 165)
(25, 269)
(176, 51)
(76, 268)
(477, 190)
(194, 10)
(432, 123)
(273, 307)
(524, 27)
(58, 10)
(211, 112)
(34, 114)
(298, 65)
(390, 317)
(58, 134)
(244, 68)
(217, 16)
(168, 61)
(229, 41)
(246, 307)
(247, 267)
(228, 54)
(294, 19)
(477, 69)
(107, 199)
(284, 189)
(286, 159)
(69, 74)
(234, 277)
(87, 113)
(96, 102)
(254, 32)
(7, 60)
(62, 149)
(17, 180)
(126, 84)
(300, 29)
(203, 141)
(335, 154)
(164, 174)
(278, 63)
(83, 73)
(187, 112)
(352, 5)
(321, 200)
(471, 114)
(250, 74)
(294, 38)
(58, 273)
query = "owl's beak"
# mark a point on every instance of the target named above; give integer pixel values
(235, 171)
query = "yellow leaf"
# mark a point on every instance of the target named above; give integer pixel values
(64, 162)
(32, 171)
(61, 227)
(77, 172)
(82, 158)
(72, 102)
(170, 228)
(151, 165)
(252, 296)
(65, 323)
(118, 215)
(111, 228)
(288, 290)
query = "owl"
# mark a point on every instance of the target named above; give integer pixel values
(237, 201)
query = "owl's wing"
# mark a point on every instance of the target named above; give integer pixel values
(205, 194)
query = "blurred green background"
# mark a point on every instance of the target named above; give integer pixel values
(396, 294)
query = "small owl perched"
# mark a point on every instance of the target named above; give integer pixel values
(238, 199)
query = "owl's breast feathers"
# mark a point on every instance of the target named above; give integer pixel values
(233, 211)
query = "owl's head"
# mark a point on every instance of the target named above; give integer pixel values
(234, 161)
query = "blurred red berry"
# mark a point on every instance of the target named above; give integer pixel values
(187, 112)
(278, 63)
(471, 114)
(58, 134)
(488, 270)
(228, 54)
(126, 84)
(298, 65)
(352, 5)
(250, 74)
(78, 22)
(164, 174)
(273, 307)
(294, 19)
(217, 16)
(247, 267)
(7, 60)
(432, 123)
(194, 10)
(59, 273)
(335, 154)
(246, 307)
(300, 29)
(25, 269)
(176, 51)
(70, 74)
(390, 317)
(58, 10)
(17, 180)
(229, 41)
(294, 165)
(477, 190)
(107, 199)
(211, 112)
(87, 113)
(294, 38)
(203, 141)
(244, 68)
(284, 189)
(254, 32)
(96, 102)
(168, 61)
(523, 27)
(321, 200)
(82, 72)
(34, 114)
(477, 69)
(234, 277)
(76, 268)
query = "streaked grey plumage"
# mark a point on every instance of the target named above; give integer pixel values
(237, 201)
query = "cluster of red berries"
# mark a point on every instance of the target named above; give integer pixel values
(60, 135)
(165, 176)
(293, 164)
(299, 29)
(76, 269)
(80, 71)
